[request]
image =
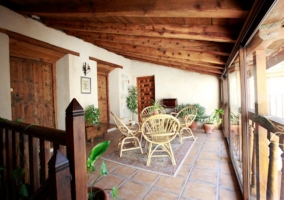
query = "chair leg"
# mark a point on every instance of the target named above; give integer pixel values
(149, 154)
(171, 154)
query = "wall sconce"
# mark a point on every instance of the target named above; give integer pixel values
(86, 68)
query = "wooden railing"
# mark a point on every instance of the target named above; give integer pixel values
(40, 152)
(266, 138)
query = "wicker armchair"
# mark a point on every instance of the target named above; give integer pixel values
(129, 140)
(159, 131)
(186, 116)
(147, 112)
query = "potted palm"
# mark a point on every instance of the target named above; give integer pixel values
(213, 119)
(199, 117)
(155, 107)
(93, 191)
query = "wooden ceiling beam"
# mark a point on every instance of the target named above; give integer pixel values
(141, 8)
(190, 55)
(202, 32)
(164, 59)
(181, 67)
(216, 48)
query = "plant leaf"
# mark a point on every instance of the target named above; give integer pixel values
(103, 170)
(96, 152)
(24, 190)
(114, 192)
(18, 174)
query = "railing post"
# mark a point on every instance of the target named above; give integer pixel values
(272, 179)
(59, 177)
(76, 149)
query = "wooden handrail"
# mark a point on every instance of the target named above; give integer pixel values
(45, 133)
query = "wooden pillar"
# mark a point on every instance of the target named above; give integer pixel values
(252, 162)
(59, 177)
(244, 133)
(76, 149)
(261, 134)
(272, 184)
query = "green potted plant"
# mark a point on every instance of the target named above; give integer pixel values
(95, 153)
(211, 120)
(155, 107)
(199, 117)
(92, 115)
(131, 100)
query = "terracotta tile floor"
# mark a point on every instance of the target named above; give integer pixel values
(205, 174)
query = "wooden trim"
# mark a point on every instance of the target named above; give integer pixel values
(105, 62)
(38, 43)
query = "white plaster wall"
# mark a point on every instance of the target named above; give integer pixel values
(5, 93)
(187, 87)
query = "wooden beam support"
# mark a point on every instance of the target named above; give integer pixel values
(165, 59)
(112, 65)
(215, 48)
(141, 8)
(209, 33)
(195, 56)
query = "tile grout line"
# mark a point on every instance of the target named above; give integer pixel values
(187, 178)
(152, 185)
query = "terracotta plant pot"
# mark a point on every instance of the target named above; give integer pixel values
(100, 193)
(194, 124)
(208, 128)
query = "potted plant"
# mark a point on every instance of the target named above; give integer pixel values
(95, 153)
(131, 100)
(92, 115)
(199, 117)
(211, 120)
(155, 107)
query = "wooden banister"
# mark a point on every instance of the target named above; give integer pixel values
(30, 147)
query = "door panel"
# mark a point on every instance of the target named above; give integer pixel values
(32, 95)
(146, 92)
(103, 97)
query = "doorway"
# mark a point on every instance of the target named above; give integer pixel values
(146, 92)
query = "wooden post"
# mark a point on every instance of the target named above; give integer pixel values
(261, 134)
(59, 177)
(272, 182)
(76, 149)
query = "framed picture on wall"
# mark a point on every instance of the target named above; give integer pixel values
(85, 85)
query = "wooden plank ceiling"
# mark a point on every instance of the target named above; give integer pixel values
(192, 35)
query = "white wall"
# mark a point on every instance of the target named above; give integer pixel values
(187, 87)
(5, 93)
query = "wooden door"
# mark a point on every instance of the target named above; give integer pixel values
(146, 92)
(32, 91)
(103, 97)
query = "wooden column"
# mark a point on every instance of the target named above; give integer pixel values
(261, 134)
(76, 149)
(244, 126)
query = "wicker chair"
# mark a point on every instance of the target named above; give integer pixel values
(147, 112)
(186, 116)
(129, 140)
(159, 131)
